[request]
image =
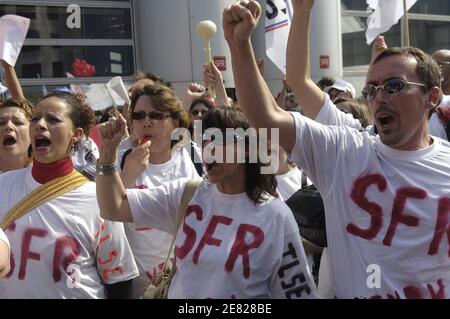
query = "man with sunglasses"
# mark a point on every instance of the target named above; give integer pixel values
(386, 197)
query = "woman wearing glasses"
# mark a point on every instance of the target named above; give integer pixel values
(62, 248)
(237, 240)
(155, 113)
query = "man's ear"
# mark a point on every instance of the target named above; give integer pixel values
(77, 135)
(434, 97)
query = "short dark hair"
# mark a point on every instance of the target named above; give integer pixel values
(257, 185)
(427, 69)
(326, 81)
(203, 101)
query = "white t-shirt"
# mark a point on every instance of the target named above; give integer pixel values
(62, 249)
(151, 246)
(227, 247)
(366, 187)
(290, 182)
(4, 238)
(330, 115)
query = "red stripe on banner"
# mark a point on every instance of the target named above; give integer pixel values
(278, 27)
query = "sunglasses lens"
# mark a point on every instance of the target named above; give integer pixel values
(394, 86)
(156, 115)
(137, 115)
(369, 91)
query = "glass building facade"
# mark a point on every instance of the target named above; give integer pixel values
(104, 38)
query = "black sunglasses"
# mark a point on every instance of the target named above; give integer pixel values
(391, 87)
(197, 112)
(151, 115)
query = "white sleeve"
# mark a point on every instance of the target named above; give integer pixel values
(115, 261)
(157, 207)
(320, 149)
(330, 115)
(4, 238)
(292, 278)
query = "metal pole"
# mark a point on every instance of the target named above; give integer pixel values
(405, 25)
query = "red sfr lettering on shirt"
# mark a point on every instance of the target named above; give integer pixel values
(66, 251)
(398, 214)
(413, 292)
(239, 248)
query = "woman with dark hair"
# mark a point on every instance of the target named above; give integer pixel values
(155, 113)
(65, 249)
(237, 240)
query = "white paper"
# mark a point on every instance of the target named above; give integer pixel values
(98, 96)
(116, 84)
(13, 30)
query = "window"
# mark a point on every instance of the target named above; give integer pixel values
(429, 23)
(105, 40)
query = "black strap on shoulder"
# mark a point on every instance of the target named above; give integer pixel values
(195, 160)
(304, 180)
(124, 157)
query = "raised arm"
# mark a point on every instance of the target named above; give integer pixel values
(213, 78)
(255, 98)
(111, 195)
(12, 82)
(298, 73)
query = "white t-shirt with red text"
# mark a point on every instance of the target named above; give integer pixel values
(63, 248)
(151, 246)
(386, 211)
(227, 247)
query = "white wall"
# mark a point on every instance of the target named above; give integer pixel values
(169, 46)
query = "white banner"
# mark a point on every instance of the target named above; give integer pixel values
(278, 22)
(386, 14)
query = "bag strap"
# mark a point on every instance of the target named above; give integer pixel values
(43, 194)
(188, 193)
(304, 180)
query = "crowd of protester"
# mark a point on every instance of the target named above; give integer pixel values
(90, 203)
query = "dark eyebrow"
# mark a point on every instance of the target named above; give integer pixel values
(385, 79)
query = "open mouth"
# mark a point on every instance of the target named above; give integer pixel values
(42, 142)
(9, 141)
(385, 119)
